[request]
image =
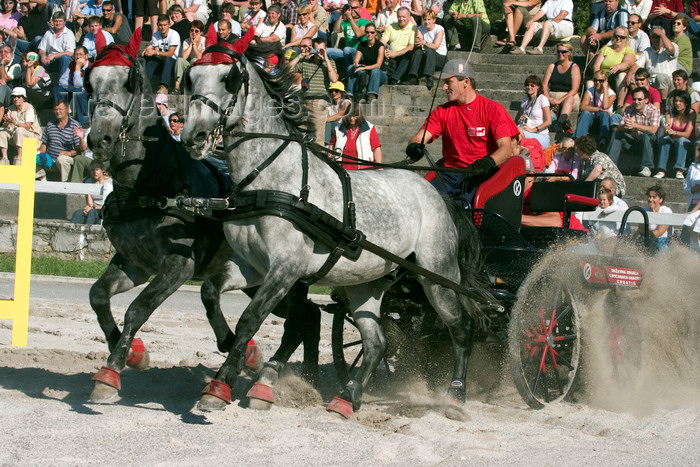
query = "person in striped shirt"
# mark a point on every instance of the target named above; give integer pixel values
(63, 142)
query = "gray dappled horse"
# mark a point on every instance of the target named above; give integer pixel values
(259, 118)
(171, 245)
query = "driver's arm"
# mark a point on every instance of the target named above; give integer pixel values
(504, 150)
(423, 136)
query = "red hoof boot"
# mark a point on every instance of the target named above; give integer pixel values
(253, 359)
(136, 354)
(109, 377)
(261, 391)
(218, 389)
(340, 406)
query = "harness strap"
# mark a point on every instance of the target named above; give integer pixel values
(248, 179)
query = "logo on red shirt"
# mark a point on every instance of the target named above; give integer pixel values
(479, 131)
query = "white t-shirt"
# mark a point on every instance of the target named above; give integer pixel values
(640, 43)
(533, 110)
(596, 99)
(429, 36)
(552, 8)
(265, 29)
(255, 20)
(662, 210)
(164, 43)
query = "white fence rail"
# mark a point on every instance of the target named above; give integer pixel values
(65, 188)
(674, 219)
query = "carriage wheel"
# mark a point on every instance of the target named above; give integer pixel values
(347, 347)
(544, 340)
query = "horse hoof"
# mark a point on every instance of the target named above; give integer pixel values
(103, 394)
(211, 403)
(253, 357)
(139, 357)
(259, 404)
(109, 377)
(260, 397)
(341, 407)
(456, 412)
(216, 395)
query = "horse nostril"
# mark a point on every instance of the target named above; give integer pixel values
(200, 138)
(106, 142)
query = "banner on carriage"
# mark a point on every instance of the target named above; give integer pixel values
(16, 309)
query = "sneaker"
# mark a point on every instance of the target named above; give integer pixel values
(535, 51)
(660, 174)
(645, 172)
(4, 161)
(518, 51)
(411, 81)
(40, 175)
(679, 175)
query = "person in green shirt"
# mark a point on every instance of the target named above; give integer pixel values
(353, 28)
(685, 50)
(467, 25)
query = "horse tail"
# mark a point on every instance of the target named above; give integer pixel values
(470, 263)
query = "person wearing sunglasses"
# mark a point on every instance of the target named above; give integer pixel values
(192, 50)
(641, 79)
(176, 124)
(603, 26)
(560, 85)
(597, 104)
(304, 28)
(115, 23)
(637, 132)
(681, 39)
(615, 60)
(663, 13)
(638, 39)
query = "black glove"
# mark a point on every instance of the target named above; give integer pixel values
(415, 151)
(481, 166)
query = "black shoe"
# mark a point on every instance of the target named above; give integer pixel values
(411, 81)
(556, 127)
(429, 82)
(393, 81)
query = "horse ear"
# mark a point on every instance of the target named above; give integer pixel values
(134, 44)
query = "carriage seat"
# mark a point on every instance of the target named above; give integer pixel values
(563, 197)
(503, 193)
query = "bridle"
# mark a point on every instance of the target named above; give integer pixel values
(224, 112)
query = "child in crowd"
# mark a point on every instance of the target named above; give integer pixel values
(606, 229)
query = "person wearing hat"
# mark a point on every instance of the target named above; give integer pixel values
(19, 122)
(163, 109)
(338, 108)
(476, 132)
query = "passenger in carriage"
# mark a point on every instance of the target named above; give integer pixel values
(476, 133)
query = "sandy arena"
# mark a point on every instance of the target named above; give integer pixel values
(46, 417)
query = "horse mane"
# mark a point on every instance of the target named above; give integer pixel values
(280, 85)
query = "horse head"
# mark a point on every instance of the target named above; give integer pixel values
(112, 108)
(217, 104)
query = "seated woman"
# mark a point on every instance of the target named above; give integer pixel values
(596, 165)
(615, 60)
(655, 198)
(90, 214)
(367, 67)
(517, 13)
(192, 50)
(19, 122)
(304, 28)
(678, 133)
(534, 116)
(566, 161)
(430, 51)
(36, 80)
(358, 139)
(560, 85)
(597, 104)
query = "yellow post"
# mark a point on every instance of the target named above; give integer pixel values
(17, 308)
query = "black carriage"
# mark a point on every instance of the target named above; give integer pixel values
(543, 303)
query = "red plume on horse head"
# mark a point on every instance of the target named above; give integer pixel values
(216, 58)
(120, 55)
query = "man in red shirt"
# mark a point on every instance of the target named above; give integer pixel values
(476, 132)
